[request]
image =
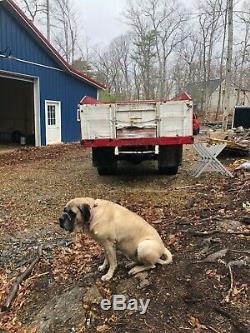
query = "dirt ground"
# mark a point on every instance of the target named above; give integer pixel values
(195, 217)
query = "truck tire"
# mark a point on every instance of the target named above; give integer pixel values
(168, 170)
(106, 171)
(105, 160)
(169, 159)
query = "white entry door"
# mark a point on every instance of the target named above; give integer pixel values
(53, 122)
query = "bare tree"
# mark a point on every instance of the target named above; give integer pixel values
(65, 29)
(113, 67)
(143, 53)
(209, 22)
(33, 8)
(187, 65)
(107, 71)
(60, 19)
(228, 78)
(221, 70)
(244, 53)
(121, 49)
(158, 27)
(167, 19)
(166, 47)
(48, 18)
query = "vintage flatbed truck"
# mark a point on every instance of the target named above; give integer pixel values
(136, 131)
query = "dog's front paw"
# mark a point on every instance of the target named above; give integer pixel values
(106, 277)
(101, 268)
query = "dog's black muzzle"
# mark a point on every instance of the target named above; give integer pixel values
(66, 221)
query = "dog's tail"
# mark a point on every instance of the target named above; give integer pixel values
(169, 258)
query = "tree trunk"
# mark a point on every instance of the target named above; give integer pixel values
(228, 79)
(243, 58)
(221, 66)
(48, 18)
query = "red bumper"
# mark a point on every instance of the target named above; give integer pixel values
(177, 140)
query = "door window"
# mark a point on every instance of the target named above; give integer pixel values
(51, 114)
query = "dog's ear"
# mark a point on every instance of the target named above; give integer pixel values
(85, 210)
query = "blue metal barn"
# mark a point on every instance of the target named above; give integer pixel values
(39, 90)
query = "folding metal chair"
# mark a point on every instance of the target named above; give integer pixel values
(209, 161)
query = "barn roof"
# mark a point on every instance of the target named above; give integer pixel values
(183, 96)
(15, 10)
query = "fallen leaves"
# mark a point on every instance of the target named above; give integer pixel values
(102, 329)
(75, 261)
(8, 321)
(197, 326)
(246, 206)
(213, 273)
(236, 291)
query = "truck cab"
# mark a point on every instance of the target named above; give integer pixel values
(196, 124)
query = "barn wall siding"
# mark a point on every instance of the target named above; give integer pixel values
(56, 85)
(14, 37)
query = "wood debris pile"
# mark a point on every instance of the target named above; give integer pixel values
(238, 140)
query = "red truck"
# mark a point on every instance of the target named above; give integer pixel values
(196, 125)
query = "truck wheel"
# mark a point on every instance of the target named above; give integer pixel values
(106, 171)
(105, 160)
(169, 159)
(168, 170)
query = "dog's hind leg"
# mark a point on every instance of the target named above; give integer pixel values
(148, 253)
(169, 258)
(130, 264)
(138, 269)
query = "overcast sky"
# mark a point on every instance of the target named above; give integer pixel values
(101, 19)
